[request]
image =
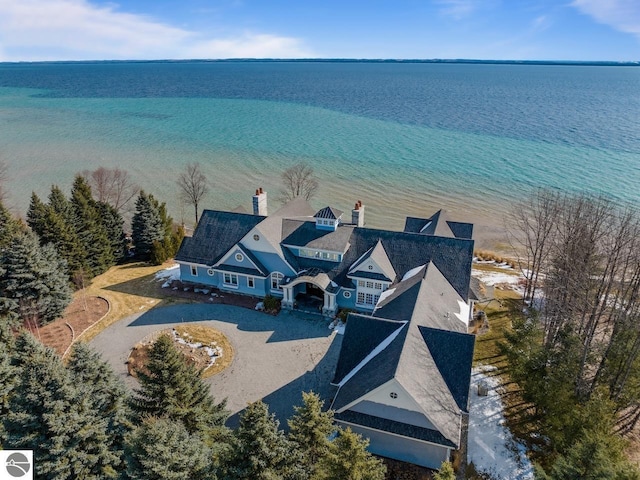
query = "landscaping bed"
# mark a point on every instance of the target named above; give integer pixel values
(206, 348)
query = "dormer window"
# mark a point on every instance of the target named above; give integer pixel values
(328, 218)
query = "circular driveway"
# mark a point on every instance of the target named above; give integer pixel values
(276, 358)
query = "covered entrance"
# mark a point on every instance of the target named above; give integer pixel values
(312, 291)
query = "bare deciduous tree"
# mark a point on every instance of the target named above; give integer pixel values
(298, 181)
(193, 185)
(112, 185)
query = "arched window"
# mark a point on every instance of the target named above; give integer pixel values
(276, 280)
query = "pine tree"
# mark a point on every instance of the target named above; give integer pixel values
(162, 449)
(106, 394)
(33, 280)
(350, 460)
(7, 371)
(36, 215)
(61, 205)
(147, 224)
(310, 429)
(91, 232)
(9, 227)
(114, 225)
(173, 388)
(262, 451)
(48, 414)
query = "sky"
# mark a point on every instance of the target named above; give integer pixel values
(33, 30)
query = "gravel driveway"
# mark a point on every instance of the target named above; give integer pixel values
(276, 358)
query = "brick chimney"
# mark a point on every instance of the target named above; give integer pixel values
(357, 214)
(260, 202)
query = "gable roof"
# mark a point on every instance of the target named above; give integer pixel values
(378, 255)
(440, 225)
(430, 356)
(215, 234)
(452, 256)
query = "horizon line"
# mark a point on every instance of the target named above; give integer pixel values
(344, 60)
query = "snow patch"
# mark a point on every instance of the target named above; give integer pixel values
(385, 294)
(492, 448)
(463, 315)
(509, 277)
(168, 275)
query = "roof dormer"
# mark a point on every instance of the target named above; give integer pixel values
(328, 218)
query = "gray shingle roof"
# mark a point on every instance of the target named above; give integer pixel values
(439, 224)
(431, 358)
(379, 256)
(364, 334)
(216, 233)
(329, 213)
(302, 233)
(453, 354)
(386, 425)
(405, 251)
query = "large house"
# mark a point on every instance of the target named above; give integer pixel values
(405, 363)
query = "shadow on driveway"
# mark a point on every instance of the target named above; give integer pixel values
(285, 327)
(282, 401)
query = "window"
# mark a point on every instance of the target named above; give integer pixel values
(211, 272)
(231, 279)
(346, 294)
(239, 257)
(370, 267)
(361, 283)
(393, 395)
(305, 252)
(378, 286)
(369, 285)
(360, 297)
(194, 271)
(368, 298)
(256, 237)
(276, 280)
(250, 282)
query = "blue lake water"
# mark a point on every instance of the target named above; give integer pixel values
(403, 138)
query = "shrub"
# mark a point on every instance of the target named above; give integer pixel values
(271, 304)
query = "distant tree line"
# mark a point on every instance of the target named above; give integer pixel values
(82, 423)
(576, 354)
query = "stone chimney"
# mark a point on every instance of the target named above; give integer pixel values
(260, 202)
(357, 214)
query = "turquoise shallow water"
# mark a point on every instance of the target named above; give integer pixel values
(395, 166)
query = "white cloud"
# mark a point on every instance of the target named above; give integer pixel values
(456, 8)
(622, 15)
(78, 30)
(540, 23)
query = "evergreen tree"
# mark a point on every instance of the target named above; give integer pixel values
(262, 452)
(114, 225)
(173, 388)
(147, 224)
(350, 460)
(48, 414)
(36, 215)
(91, 232)
(162, 449)
(33, 280)
(595, 456)
(106, 394)
(445, 473)
(61, 205)
(9, 227)
(7, 371)
(310, 429)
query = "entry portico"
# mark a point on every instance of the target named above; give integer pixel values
(293, 287)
